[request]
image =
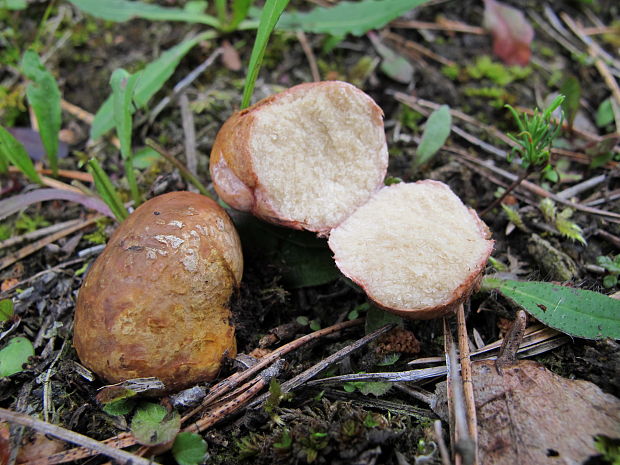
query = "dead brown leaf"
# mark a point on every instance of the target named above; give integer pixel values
(5, 445)
(230, 57)
(529, 415)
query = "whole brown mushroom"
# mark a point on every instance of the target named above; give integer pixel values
(155, 302)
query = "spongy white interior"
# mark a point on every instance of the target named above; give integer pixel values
(320, 153)
(411, 246)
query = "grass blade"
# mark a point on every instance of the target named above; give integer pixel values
(44, 98)
(13, 152)
(268, 19)
(150, 80)
(106, 190)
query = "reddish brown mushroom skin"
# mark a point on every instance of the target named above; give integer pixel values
(155, 302)
(234, 157)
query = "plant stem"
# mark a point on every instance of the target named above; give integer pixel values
(131, 179)
(187, 175)
(510, 188)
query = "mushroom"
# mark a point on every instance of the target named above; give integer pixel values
(155, 302)
(314, 157)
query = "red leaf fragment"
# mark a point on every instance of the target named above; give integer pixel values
(512, 33)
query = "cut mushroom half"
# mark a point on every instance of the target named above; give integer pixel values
(305, 158)
(415, 249)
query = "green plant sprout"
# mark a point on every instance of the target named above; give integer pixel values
(533, 142)
(612, 266)
(561, 220)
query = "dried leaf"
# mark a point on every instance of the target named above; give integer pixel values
(31, 140)
(39, 447)
(512, 33)
(527, 414)
(18, 202)
(5, 445)
(230, 57)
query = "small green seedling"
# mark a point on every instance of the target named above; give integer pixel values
(189, 449)
(532, 144)
(152, 424)
(437, 130)
(6, 310)
(44, 97)
(536, 135)
(612, 266)
(561, 220)
(15, 355)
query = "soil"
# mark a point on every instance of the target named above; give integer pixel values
(315, 425)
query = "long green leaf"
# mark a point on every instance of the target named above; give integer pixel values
(106, 190)
(123, 86)
(268, 19)
(44, 97)
(124, 10)
(149, 81)
(4, 162)
(13, 4)
(571, 88)
(13, 151)
(355, 18)
(435, 134)
(577, 312)
(240, 10)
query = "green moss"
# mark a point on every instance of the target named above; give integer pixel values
(451, 72)
(547, 51)
(497, 95)
(11, 104)
(361, 70)
(485, 68)
(410, 118)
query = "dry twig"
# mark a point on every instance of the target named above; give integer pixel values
(70, 436)
(305, 45)
(466, 374)
(31, 248)
(189, 139)
(216, 392)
